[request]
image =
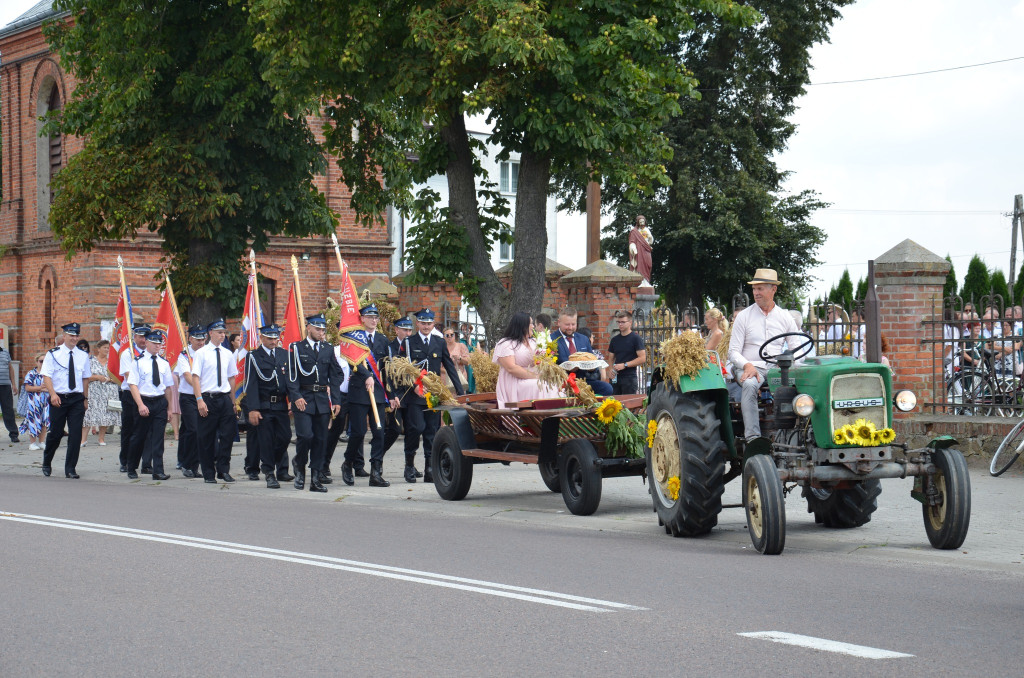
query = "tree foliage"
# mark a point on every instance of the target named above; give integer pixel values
(582, 88)
(842, 293)
(976, 282)
(951, 286)
(726, 212)
(1018, 286)
(997, 285)
(181, 137)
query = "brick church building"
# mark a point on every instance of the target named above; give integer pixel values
(40, 290)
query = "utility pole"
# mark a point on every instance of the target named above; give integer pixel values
(1018, 223)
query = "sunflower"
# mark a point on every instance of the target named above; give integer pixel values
(607, 411)
(838, 438)
(864, 428)
(850, 434)
(652, 429)
(672, 487)
(887, 435)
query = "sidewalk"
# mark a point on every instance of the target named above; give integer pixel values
(516, 494)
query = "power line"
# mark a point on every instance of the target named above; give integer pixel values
(843, 210)
(911, 75)
(952, 256)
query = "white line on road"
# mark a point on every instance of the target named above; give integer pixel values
(416, 576)
(825, 645)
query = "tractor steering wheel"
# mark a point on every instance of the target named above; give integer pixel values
(798, 352)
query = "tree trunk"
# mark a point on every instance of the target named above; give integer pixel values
(202, 310)
(531, 234)
(464, 211)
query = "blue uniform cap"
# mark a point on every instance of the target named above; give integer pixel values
(370, 310)
(404, 323)
(217, 324)
(424, 314)
(317, 320)
(271, 330)
(74, 329)
(142, 328)
(156, 336)
(197, 331)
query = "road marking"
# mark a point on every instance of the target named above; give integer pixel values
(825, 645)
(532, 595)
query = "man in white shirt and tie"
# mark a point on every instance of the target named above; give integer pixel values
(66, 374)
(149, 380)
(188, 439)
(753, 326)
(128, 413)
(213, 380)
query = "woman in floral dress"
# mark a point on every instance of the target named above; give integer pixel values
(37, 407)
(102, 389)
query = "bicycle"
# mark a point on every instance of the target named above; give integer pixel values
(1008, 451)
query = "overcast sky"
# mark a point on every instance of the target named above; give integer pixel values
(928, 157)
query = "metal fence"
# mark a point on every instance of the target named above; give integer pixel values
(977, 351)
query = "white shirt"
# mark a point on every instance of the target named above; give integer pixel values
(182, 368)
(127, 358)
(751, 328)
(55, 366)
(345, 369)
(204, 366)
(141, 374)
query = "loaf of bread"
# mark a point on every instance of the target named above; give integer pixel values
(582, 356)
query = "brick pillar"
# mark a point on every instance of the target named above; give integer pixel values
(598, 290)
(909, 280)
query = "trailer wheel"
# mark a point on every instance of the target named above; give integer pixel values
(686, 463)
(453, 473)
(549, 474)
(848, 507)
(580, 477)
(765, 504)
(946, 522)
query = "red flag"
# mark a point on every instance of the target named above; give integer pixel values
(352, 342)
(167, 321)
(120, 337)
(292, 330)
(252, 321)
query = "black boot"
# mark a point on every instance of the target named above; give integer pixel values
(361, 472)
(346, 473)
(428, 477)
(272, 483)
(300, 479)
(314, 482)
(324, 478)
(376, 480)
(411, 474)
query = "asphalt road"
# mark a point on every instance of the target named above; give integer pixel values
(232, 580)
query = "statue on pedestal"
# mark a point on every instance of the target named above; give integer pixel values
(640, 248)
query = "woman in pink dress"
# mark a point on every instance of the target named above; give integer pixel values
(517, 374)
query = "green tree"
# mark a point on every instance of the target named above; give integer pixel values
(726, 212)
(997, 283)
(842, 293)
(976, 282)
(1018, 287)
(181, 137)
(579, 87)
(862, 290)
(951, 286)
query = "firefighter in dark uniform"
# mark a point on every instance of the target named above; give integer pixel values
(367, 381)
(313, 385)
(266, 393)
(427, 351)
(393, 428)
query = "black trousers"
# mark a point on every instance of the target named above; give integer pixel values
(311, 439)
(392, 429)
(70, 412)
(7, 406)
(420, 422)
(338, 426)
(129, 413)
(272, 434)
(188, 432)
(148, 437)
(625, 384)
(216, 433)
(359, 417)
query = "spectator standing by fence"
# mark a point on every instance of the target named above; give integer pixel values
(628, 352)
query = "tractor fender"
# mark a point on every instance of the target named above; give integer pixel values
(458, 418)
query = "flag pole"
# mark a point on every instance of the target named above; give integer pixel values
(298, 297)
(127, 310)
(341, 268)
(255, 287)
(177, 316)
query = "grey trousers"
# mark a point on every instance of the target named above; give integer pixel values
(748, 403)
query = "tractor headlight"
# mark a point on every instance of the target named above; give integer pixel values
(803, 405)
(905, 401)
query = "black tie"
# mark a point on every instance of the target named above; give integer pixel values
(316, 347)
(217, 351)
(72, 384)
(156, 372)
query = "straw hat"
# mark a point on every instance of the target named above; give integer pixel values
(766, 276)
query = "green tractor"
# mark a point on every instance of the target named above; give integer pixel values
(827, 428)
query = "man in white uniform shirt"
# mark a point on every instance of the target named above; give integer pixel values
(128, 411)
(188, 438)
(66, 374)
(213, 380)
(149, 380)
(752, 327)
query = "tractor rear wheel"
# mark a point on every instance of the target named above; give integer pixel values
(686, 464)
(847, 507)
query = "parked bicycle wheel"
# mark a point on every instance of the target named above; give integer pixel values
(1008, 450)
(971, 393)
(1011, 397)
